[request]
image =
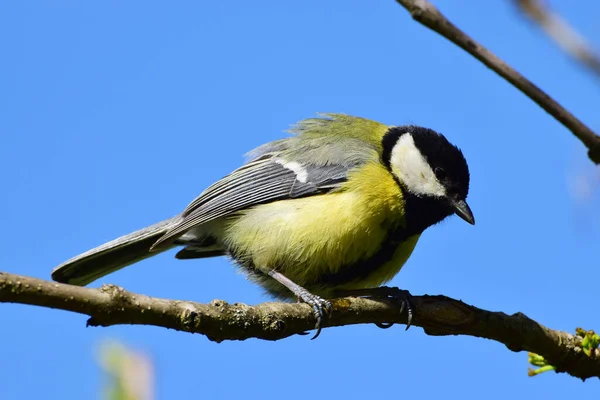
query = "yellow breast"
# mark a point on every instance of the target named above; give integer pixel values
(320, 235)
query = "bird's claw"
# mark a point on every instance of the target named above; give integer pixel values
(384, 325)
(403, 298)
(400, 296)
(321, 309)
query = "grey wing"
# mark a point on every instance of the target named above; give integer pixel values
(264, 179)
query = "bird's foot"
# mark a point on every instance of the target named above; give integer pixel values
(403, 299)
(400, 296)
(321, 308)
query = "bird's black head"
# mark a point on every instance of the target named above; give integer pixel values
(432, 172)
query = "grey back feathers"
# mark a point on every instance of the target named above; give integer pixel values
(299, 166)
(314, 161)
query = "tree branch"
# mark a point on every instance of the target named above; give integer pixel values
(561, 33)
(219, 321)
(425, 13)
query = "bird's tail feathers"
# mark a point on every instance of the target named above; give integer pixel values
(112, 256)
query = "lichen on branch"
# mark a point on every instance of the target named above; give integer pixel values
(220, 321)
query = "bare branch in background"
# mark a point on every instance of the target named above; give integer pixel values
(425, 13)
(561, 32)
(219, 321)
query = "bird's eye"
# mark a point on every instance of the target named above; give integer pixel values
(439, 173)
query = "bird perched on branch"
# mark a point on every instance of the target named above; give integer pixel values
(338, 206)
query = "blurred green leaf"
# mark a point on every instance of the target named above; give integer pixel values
(129, 373)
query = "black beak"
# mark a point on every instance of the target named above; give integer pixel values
(461, 208)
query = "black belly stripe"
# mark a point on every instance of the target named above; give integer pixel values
(420, 212)
(363, 269)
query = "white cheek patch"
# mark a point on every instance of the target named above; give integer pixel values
(410, 167)
(296, 168)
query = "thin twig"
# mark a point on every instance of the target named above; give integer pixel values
(425, 13)
(559, 30)
(219, 321)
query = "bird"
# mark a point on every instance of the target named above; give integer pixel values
(335, 207)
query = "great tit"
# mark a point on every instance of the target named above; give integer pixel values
(337, 206)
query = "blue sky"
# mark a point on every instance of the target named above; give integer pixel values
(117, 114)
